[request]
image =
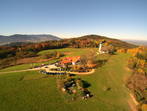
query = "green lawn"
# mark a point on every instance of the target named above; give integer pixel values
(18, 67)
(72, 51)
(31, 91)
(25, 66)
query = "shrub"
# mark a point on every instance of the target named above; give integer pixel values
(132, 62)
(140, 71)
(135, 63)
(139, 95)
(142, 55)
(89, 60)
(122, 50)
(52, 55)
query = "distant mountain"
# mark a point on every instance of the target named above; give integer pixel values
(26, 38)
(17, 44)
(137, 42)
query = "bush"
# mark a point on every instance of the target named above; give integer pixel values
(89, 60)
(142, 55)
(122, 50)
(132, 62)
(141, 71)
(139, 96)
(135, 63)
(53, 55)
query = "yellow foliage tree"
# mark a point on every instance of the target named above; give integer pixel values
(122, 50)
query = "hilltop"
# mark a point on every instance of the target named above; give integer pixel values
(77, 42)
(90, 41)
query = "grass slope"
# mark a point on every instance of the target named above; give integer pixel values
(71, 51)
(31, 91)
(112, 75)
(25, 66)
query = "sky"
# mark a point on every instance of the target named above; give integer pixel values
(122, 19)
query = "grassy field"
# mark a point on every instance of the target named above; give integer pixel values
(71, 51)
(25, 66)
(31, 91)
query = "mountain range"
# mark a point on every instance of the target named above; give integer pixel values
(19, 38)
(137, 42)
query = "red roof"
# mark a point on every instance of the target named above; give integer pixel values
(70, 59)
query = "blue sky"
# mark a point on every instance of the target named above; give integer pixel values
(124, 19)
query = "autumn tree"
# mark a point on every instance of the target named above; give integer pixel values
(89, 59)
(122, 50)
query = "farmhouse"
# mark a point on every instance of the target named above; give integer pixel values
(70, 60)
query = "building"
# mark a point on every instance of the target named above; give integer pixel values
(103, 49)
(70, 60)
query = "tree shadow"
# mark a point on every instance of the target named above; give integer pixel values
(72, 75)
(85, 84)
(101, 62)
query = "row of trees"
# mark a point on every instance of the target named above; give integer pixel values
(137, 83)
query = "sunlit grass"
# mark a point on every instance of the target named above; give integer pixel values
(32, 91)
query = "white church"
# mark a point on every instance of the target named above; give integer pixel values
(103, 49)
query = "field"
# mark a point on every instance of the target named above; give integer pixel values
(32, 91)
(69, 51)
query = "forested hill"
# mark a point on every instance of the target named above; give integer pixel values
(78, 42)
(92, 40)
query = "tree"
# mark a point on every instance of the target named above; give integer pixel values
(132, 62)
(89, 60)
(122, 50)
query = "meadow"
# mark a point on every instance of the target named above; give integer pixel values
(32, 91)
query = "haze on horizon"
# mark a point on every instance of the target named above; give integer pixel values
(121, 19)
